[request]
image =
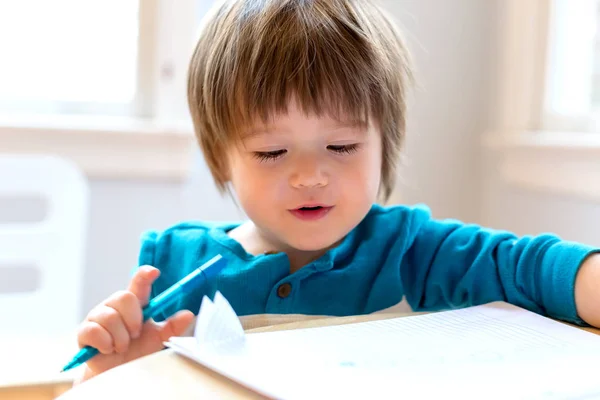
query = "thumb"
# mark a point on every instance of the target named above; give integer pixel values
(176, 325)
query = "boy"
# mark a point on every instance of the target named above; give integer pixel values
(299, 107)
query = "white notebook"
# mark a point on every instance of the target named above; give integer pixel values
(491, 351)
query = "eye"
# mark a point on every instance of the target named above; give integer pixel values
(344, 149)
(269, 155)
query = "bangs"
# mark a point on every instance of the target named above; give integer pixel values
(292, 51)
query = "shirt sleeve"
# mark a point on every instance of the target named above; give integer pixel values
(146, 256)
(451, 264)
(147, 248)
(176, 252)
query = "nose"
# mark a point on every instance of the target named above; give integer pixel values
(308, 173)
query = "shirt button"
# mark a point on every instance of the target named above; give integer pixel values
(284, 290)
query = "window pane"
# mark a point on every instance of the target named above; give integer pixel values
(572, 57)
(68, 51)
(596, 69)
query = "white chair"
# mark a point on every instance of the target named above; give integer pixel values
(51, 251)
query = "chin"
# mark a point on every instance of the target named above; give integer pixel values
(313, 243)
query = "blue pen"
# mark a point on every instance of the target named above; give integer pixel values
(207, 271)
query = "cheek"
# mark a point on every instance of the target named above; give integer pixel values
(366, 172)
(375, 165)
(251, 182)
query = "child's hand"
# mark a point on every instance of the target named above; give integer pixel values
(115, 326)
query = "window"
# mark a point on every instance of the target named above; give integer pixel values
(572, 85)
(100, 82)
(547, 121)
(70, 56)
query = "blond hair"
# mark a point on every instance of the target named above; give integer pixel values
(342, 57)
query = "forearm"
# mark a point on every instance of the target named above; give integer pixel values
(587, 291)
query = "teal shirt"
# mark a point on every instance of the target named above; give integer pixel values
(394, 252)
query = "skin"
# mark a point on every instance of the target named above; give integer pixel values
(115, 327)
(587, 293)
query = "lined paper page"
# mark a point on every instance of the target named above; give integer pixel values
(491, 351)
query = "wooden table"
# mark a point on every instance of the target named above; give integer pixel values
(152, 377)
(30, 366)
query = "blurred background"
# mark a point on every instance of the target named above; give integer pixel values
(502, 126)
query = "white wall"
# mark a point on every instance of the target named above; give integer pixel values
(122, 210)
(529, 212)
(453, 43)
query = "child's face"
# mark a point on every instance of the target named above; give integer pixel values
(306, 161)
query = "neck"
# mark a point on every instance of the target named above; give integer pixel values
(300, 258)
(255, 242)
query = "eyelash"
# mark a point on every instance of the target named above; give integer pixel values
(264, 156)
(269, 155)
(344, 149)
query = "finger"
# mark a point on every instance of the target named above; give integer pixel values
(141, 283)
(111, 320)
(176, 325)
(128, 306)
(95, 335)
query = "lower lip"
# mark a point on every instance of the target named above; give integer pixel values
(311, 215)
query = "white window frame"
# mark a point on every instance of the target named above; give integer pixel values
(537, 151)
(157, 141)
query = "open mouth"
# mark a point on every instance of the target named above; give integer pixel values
(311, 213)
